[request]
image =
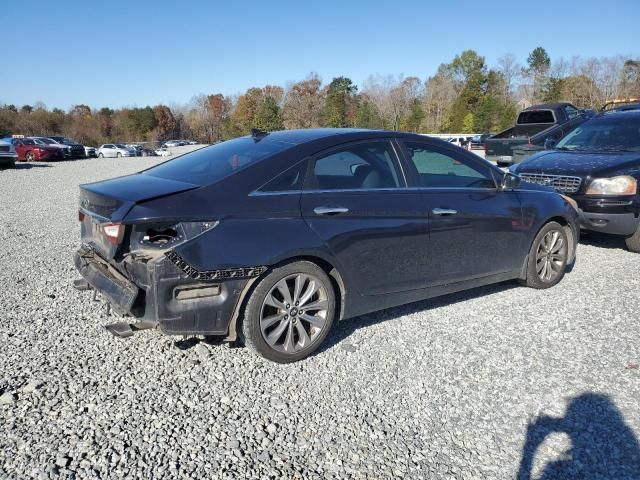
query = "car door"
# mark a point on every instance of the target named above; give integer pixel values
(109, 151)
(475, 227)
(21, 149)
(355, 200)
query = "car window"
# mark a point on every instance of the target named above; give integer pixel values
(291, 179)
(28, 142)
(369, 165)
(535, 116)
(210, 164)
(440, 169)
(571, 112)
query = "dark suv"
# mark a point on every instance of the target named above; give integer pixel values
(598, 165)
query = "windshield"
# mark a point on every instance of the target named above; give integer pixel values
(614, 133)
(37, 141)
(210, 164)
(68, 141)
(48, 140)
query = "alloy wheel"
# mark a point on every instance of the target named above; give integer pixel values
(294, 313)
(551, 256)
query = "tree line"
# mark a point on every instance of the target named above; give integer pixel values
(463, 96)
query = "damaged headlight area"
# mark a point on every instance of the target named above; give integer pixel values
(163, 236)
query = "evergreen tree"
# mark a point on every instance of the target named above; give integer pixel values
(339, 97)
(268, 117)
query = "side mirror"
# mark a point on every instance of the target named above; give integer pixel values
(550, 144)
(510, 181)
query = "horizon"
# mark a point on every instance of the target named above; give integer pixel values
(150, 59)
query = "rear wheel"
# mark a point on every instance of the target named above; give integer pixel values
(290, 312)
(633, 242)
(100, 155)
(548, 257)
(30, 157)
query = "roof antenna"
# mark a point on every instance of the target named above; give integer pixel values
(258, 134)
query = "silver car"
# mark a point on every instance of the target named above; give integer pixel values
(113, 150)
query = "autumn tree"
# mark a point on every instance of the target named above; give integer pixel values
(303, 104)
(165, 122)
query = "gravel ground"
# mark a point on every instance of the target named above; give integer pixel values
(482, 385)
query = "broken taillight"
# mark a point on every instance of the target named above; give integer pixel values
(113, 232)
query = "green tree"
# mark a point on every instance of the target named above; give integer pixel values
(366, 115)
(268, 117)
(413, 120)
(467, 123)
(539, 61)
(339, 97)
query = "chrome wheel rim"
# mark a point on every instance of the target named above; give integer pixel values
(294, 313)
(551, 256)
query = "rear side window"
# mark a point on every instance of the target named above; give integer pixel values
(536, 116)
(369, 165)
(210, 164)
(440, 169)
(291, 179)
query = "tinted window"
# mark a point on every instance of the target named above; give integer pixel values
(440, 169)
(361, 166)
(571, 112)
(536, 116)
(291, 179)
(211, 164)
(28, 141)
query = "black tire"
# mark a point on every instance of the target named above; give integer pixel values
(100, 155)
(250, 329)
(119, 155)
(29, 157)
(633, 242)
(534, 278)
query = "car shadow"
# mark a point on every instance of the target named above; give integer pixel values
(28, 166)
(602, 240)
(603, 446)
(346, 328)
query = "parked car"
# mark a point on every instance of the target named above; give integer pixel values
(147, 152)
(90, 152)
(172, 143)
(64, 149)
(77, 150)
(34, 150)
(598, 165)
(8, 156)
(534, 125)
(136, 148)
(113, 150)
(271, 237)
(477, 141)
(163, 152)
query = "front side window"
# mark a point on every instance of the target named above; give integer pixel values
(439, 169)
(362, 166)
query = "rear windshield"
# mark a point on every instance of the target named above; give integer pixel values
(213, 163)
(535, 116)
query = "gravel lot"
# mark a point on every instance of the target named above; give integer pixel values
(447, 388)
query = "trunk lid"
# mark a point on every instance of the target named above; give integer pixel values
(108, 202)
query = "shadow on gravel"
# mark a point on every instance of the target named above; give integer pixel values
(602, 445)
(28, 166)
(344, 329)
(602, 240)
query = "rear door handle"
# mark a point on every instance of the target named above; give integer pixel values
(444, 211)
(330, 210)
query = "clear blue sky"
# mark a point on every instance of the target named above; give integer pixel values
(134, 53)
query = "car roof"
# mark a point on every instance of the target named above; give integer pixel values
(298, 137)
(550, 105)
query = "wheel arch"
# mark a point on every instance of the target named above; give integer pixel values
(571, 237)
(336, 278)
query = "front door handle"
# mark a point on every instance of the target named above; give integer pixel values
(444, 211)
(330, 210)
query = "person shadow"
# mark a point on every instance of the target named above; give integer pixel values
(603, 446)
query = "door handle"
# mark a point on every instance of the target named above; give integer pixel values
(443, 211)
(330, 210)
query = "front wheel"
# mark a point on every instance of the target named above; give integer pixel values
(548, 257)
(29, 157)
(633, 242)
(100, 155)
(119, 155)
(290, 312)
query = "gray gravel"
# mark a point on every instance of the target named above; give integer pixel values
(448, 388)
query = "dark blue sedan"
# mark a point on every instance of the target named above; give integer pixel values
(269, 238)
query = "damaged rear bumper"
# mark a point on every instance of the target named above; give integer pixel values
(166, 290)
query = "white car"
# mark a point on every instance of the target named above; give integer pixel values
(90, 151)
(163, 152)
(8, 156)
(113, 150)
(173, 143)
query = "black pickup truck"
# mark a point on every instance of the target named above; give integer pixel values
(534, 126)
(598, 165)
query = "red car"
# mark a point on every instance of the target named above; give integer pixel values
(33, 150)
